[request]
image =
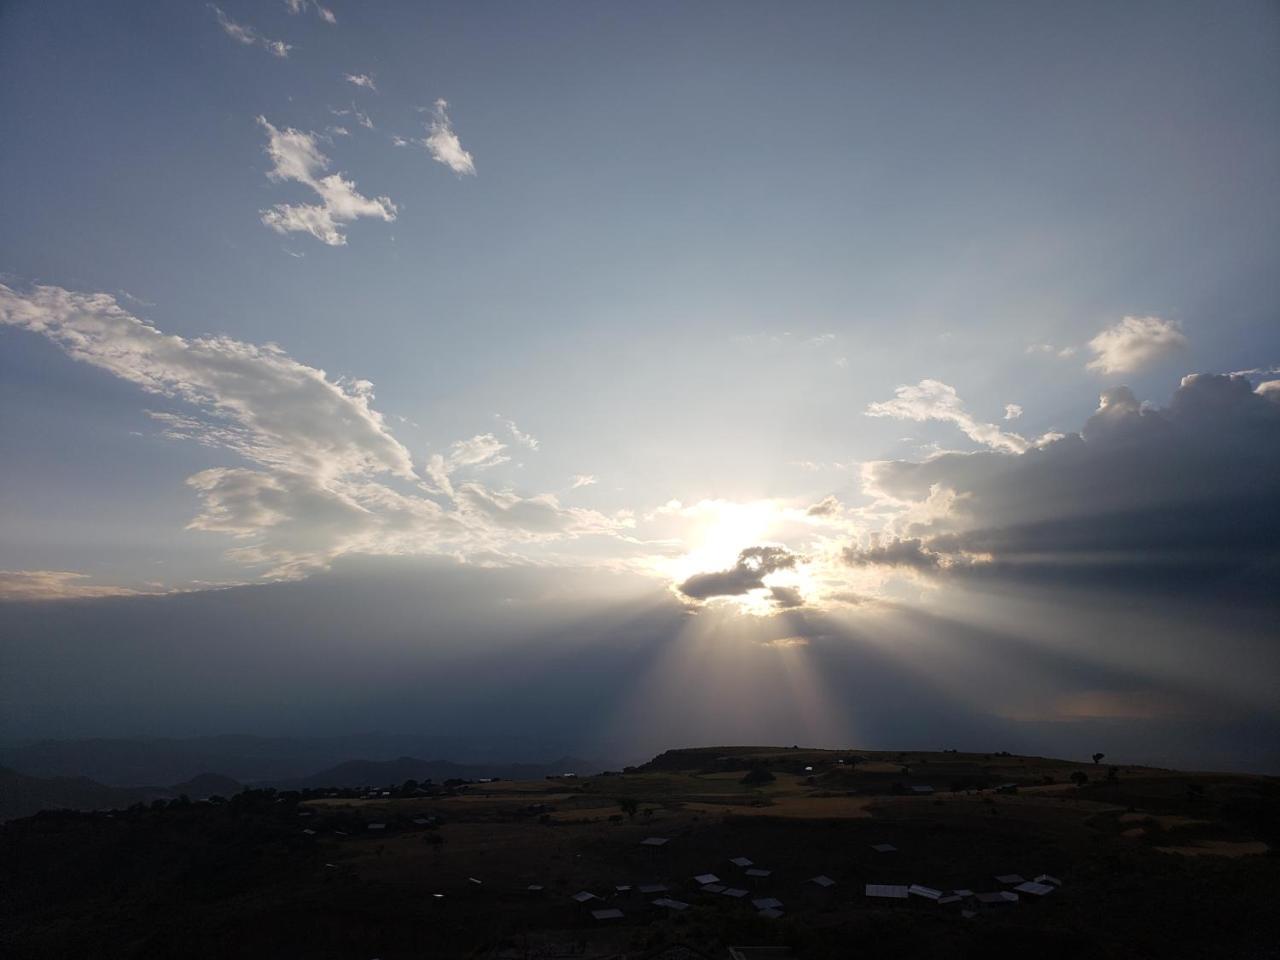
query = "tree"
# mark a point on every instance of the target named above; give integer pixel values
(757, 776)
(1079, 778)
(629, 806)
(1097, 757)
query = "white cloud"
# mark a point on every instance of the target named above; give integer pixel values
(362, 80)
(326, 478)
(584, 480)
(1133, 343)
(295, 156)
(356, 114)
(1012, 411)
(522, 438)
(300, 6)
(443, 144)
(249, 36)
(935, 400)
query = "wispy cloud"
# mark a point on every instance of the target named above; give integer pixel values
(249, 36)
(522, 438)
(935, 400)
(1133, 343)
(362, 80)
(443, 144)
(301, 6)
(35, 585)
(295, 156)
(584, 480)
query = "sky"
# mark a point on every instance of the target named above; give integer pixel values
(643, 375)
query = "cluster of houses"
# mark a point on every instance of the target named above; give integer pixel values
(1010, 888)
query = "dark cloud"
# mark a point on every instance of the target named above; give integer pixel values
(1177, 497)
(754, 564)
(893, 553)
(826, 507)
(787, 598)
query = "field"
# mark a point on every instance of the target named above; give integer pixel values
(1152, 863)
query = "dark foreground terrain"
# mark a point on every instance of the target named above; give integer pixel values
(1151, 863)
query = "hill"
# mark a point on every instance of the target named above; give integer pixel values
(1136, 860)
(22, 796)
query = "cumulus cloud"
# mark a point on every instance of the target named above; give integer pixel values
(443, 144)
(1182, 495)
(326, 478)
(361, 80)
(1133, 343)
(249, 36)
(301, 6)
(295, 156)
(747, 574)
(1012, 411)
(35, 585)
(935, 400)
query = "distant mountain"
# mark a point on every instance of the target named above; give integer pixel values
(22, 796)
(206, 785)
(248, 759)
(378, 773)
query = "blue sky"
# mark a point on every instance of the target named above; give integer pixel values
(609, 257)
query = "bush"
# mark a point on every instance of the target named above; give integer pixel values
(757, 776)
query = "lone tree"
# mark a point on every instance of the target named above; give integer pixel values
(629, 806)
(1097, 757)
(1079, 778)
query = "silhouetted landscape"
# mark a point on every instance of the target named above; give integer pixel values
(805, 851)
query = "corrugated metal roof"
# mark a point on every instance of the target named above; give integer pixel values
(927, 892)
(889, 890)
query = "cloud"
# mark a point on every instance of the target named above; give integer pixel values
(443, 144)
(522, 438)
(266, 406)
(935, 400)
(826, 507)
(300, 6)
(1049, 348)
(1180, 498)
(583, 480)
(249, 36)
(325, 476)
(361, 80)
(36, 585)
(786, 598)
(479, 453)
(1133, 343)
(893, 553)
(295, 156)
(1012, 411)
(747, 574)
(358, 115)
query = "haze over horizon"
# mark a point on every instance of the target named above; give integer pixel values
(619, 378)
